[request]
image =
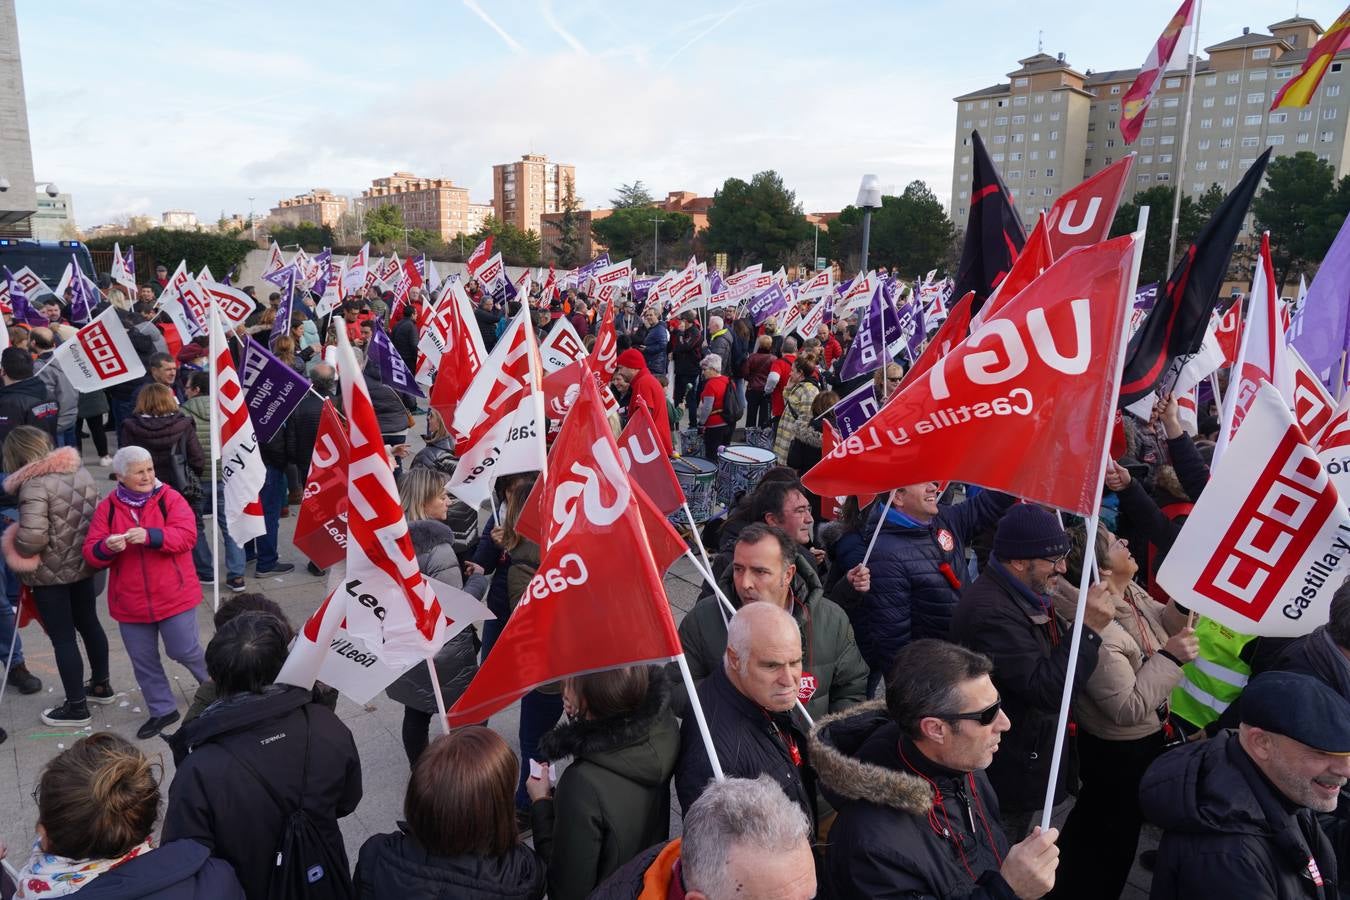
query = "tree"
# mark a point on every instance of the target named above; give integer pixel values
(518, 248)
(759, 221)
(384, 225)
(163, 246)
(1302, 209)
(632, 195)
(628, 232)
(308, 235)
(910, 233)
(566, 248)
(1159, 200)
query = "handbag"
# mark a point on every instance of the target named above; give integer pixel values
(186, 481)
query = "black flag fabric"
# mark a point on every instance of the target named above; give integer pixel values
(994, 233)
(1175, 327)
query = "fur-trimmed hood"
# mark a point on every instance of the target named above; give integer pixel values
(642, 747)
(62, 461)
(837, 746)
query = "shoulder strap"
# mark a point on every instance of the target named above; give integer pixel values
(266, 785)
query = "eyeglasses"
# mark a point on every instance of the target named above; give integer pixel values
(1054, 560)
(983, 717)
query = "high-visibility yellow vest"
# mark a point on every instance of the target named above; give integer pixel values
(1216, 677)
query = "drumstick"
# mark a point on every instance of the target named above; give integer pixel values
(730, 452)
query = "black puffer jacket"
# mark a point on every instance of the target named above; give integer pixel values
(27, 402)
(214, 800)
(1226, 832)
(395, 867)
(1029, 646)
(613, 800)
(160, 435)
(883, 843)
(911, 596)
(302, 430)
(390, 413)
(404, 339)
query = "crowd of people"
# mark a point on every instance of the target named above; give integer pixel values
(881, 680)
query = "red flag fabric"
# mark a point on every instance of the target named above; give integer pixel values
(497, 388)
(1229, 332)
(480, 255)
(457, 346)
(648, 465)
(1022, 406)
(831, 508)
(1136, 100)
(954, 330)
(1035, 257)
(1082, 215)
(321, 525)
(1313, 404)
(596, 600)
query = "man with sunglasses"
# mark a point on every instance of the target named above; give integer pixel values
(917, 816)
(1007, 614)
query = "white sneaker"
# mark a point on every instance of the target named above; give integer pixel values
(105, 462)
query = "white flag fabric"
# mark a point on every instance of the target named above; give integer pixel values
(275, 262)
(1313, 404)
(185, 302)
(1194, 370)
(561, 347)
(120, 272)
(1264, 548)
(1333, 449)
(606, 282)
(241, 464)
(819, 285)
(100, 355)
(451, 316)
(355, 276)
(235, 306)
(811, 321)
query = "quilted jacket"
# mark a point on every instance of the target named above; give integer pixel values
(57, 498)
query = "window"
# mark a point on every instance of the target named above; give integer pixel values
(1015, 174)
(1110, 142)
(1143, 178)
(1230, 100)
(1020, 82)
(1057, 97)
(1149, 123)
(1163, 176)
(963, 194)
(1051, 154)
(964, 177)
(1000, 139)
(1088, 162)
(1171, 102)
(1109, 160)
(1211, 80)
(969, 107)
(1250, 141)
(1038, 98)
(1054, 135)
(1169, 120)
(1234, 77)
(1020, 101)
(965, 159)
(1225, 143)
(1202, 165)
(1328, 136)
(1246, 163)
(1335, 67)
(984, 123)
(966, 125)
(1279, 118)
(1036, 117)
(1198, 187)
(1035, 154)
(1049, 173)
(1256, 75)
(1207, 103)
(1324, 157)
(1281, 74)
(1114, 107)
(1115, 89)
(1049, 192)
(1303, 137)
(1251, 120)
(1035, 136)
(1146, 160)
(1261, 53)
(1054, 117)
(1333, 90)
(1204, 145)
(1001, 103)
(1172, 83)
(1223, 164)
(1000, 121)
(1305, 115)
(1111, 125)
(1015, 157)
(1092, 145)
(1329, 113)
(1167, 139)
(1164, 158)
(1147, 142)
(1228, 121)
(962, 212)
(1017, 138)
(984, 104)
(998, 157)
(1031, 173)
(1256, 98)
(1206, 123)
(1019, 120)
(1275, 140)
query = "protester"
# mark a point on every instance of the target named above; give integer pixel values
(459, 837)
(58, 385)
(746, 702)
(159, 426)
(425, 502)
(655, 343)
(162, 368)
(1008, 615)
(493, 554)
(917, 815)
(686, 352)
(805, 449)
(717, 430)
(92, 407)
(1239, 812)
(719, 343)
(236, 605)
(97, 804)
(797, 400)
(758, 366)
(143, 532)
(830, 346)
(767, 565)
(197, 407)
(1122, 714)
(259, 746)
(24, 399)
(633, 366)
(743, 838)
(613, 799)
(918, 566)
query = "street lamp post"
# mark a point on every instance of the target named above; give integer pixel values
(656, 233)
(252, 223)
(869, 198)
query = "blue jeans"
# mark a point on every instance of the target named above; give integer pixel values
(68, 438)
(539, 712)
(273, 498)
(202, 557)
(8, 632)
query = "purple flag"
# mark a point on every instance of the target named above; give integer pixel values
(1323, 332)
(767, 303)
(280, 276)
(715, 283)
(643, 286)
(83, 294)
(20, 304)
(229, 276)
(393, 370)
(325, 263)
(875, 335)
(129, 261)
(272, 389)
(855, 409)
(282, 323)
(910, 320)
(594, 265)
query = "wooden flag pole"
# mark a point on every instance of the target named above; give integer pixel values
(436, 689)
(217, 545)
(1185, 135)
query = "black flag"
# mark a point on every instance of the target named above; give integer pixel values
(1175, 327)
(994, 233)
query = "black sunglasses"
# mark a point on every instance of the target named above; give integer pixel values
(983, 717)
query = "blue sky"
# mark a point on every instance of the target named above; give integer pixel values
(148, 106)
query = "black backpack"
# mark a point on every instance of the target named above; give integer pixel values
(306, 867)
(732, 407)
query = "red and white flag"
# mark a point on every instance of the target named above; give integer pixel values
(275, 262)
(185, 302)
(235, 445)
(1313, 404)
(1262, 356)
(644, 459)
(596, 601)
(1170, 44)
(561, 347)
(235, 306)
(1083, 215)
(121, 271)
(1035, 258)
(811, 321)
(1333, 448)
(321, 525)
(605, 283)
(1263, 549)
(819, 285)
(100, 355)
(452, 345)
(1024, 405)
(354, 279)
(1228, 329)
(479, 255)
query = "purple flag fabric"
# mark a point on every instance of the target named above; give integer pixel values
(643, 286)
(280, 276)
(272, 389)
(20, 304)
(282, 323)
(910, 322)
(1323, 332)
(83, 294)
(766, 303)
(594, 265)
(876, 333)
(853, 410)
(324, 261)
(393, 370)
(129, 261)
(715, 283)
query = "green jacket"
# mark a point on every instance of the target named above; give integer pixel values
(830, 653)
(613, 800)
(198, 409)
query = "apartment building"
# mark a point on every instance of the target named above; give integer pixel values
(1049, 126)
(432, 204)
(318, 207)
(523, 191)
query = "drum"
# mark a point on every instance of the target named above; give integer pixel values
(759, 437)
(691, 442)
(697, 478)
(739, 469)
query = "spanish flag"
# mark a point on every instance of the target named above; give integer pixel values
(1301, 89)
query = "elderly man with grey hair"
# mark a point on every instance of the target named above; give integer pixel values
(743, 840)
(712, 416)
(747, 703)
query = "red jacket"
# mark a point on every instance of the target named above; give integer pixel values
(649, 389)
(832, 350)
(783, 366)
(156, 580)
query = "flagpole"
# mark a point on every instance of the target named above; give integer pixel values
(697, 708)
(1090, 559)
(440, 700)
(1185, 136)
(876, 532)
(217, 545)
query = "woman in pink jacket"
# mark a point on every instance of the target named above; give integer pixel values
(143, 533)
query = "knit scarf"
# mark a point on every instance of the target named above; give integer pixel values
(49, 875)
(135, 499)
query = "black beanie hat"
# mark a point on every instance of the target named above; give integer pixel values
(1029, 532)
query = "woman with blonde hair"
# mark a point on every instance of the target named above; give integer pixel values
(97, 805)
(161, 427)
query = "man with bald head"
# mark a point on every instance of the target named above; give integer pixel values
(746, 702)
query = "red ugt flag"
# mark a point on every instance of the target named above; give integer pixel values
(596, 600)
(1022, 406)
